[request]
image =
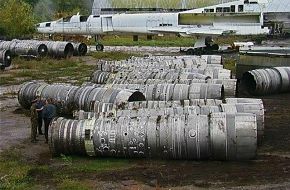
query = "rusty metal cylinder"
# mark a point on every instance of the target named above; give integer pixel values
(219, 136)
(5, 59)
(267, 81)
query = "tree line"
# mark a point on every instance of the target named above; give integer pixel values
(18, 17)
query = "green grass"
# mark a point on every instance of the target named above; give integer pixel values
(49, 70)
(68, 184)
(111, 56)
(230, 64)
(14, 174)
(64, 172)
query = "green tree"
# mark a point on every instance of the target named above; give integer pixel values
(17, 18)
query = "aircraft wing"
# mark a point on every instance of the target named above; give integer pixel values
(188, 31)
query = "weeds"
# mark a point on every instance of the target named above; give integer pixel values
(65, 172)
(230, 64)
(113, 56)
(48, 70)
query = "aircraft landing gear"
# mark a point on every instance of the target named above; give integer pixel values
(99, 47)
(203, 46)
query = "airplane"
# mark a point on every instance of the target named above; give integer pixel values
(235, 18)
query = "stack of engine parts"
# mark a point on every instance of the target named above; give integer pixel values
(202, 74)
(36, 49)
(180, 114)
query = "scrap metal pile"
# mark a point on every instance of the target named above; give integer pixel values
(35, 48)
(171, 117)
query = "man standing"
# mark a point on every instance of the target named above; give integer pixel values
(34, 121)
(39, 108)
(49, 112)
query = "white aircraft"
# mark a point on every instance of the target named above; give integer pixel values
(235, 18)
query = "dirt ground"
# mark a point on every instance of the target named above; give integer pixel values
(271, 169)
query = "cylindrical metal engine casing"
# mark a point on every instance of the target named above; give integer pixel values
(285, 78)
(70, 98)
(80, 49)
(59, 49)
(196, 137)
(267, 81)
(5, 58)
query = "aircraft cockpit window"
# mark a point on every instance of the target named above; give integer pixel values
(165, 24)
(209, 10)
(233, 8)
(66, 19)
(83, 18)
(241, 8)
(47, 24)
(219, 9)
(226, 9)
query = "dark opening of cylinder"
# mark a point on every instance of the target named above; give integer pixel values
(69, 50)
(42, 50)
(137, 96)
(222, 92)
(82, 49)
(7, 58)
(249, 82)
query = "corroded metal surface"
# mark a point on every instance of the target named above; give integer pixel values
(219, 136)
